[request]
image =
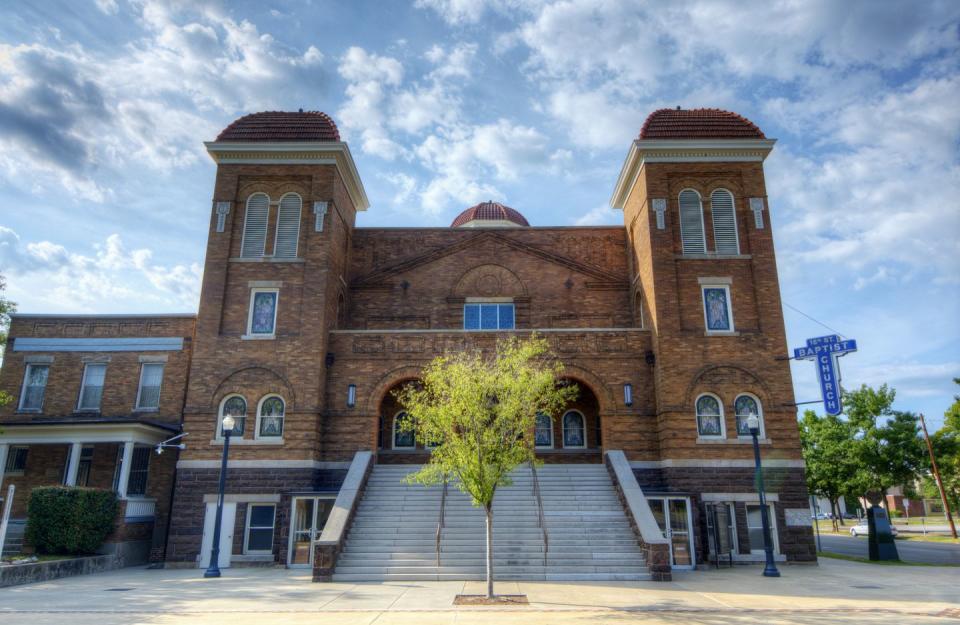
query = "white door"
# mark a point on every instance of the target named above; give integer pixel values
(226, 534)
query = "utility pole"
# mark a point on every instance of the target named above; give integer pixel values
(936, 476)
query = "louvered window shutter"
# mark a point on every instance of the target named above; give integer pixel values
(288, 227)
(691, 223)
(724, 222)
(255, 226)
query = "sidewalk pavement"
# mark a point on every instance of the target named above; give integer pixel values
(833, 592)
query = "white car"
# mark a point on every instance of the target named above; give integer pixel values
(862, 529)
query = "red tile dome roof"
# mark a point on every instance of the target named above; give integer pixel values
(489, 211)
(698, 124)
(282, 126)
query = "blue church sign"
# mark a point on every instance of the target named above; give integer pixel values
(825, 350)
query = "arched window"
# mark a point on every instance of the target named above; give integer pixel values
(255, 226)
(691, 223)
(236, 407)
(288, 226)
(574, 432)
(403, 437)
(710, 416)
(543, 431)
(724, 222)
(744, 406)
(270, 417)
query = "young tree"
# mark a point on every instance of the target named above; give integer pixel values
(6, 307)
(829, 455)
(480, 412)
(946, 445)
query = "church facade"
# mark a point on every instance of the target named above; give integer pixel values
(670, 325)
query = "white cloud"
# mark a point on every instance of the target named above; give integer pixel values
(108, 7)
(70, 116)
(600, 216)
(93, 283)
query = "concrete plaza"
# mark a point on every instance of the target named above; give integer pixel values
(833, 592)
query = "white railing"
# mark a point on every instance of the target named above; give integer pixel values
(140, 509)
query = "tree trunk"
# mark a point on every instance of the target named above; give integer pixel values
(489, 509)
(836, 506)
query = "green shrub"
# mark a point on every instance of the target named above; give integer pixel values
(895, 514)
(71, 520)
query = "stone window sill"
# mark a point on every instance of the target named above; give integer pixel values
(713, 256)
(249, 441)
(146, 410)
(721, 333)
(709, 440)
(258, 337)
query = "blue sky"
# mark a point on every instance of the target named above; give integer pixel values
(105, 188)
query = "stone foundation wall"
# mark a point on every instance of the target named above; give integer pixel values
(796, 542)
(186, 527)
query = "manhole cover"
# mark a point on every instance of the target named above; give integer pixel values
(117, 589)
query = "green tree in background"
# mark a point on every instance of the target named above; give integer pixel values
(946, 446)
(829, 451)
(480, 412)
(888, 449)
(6, 307)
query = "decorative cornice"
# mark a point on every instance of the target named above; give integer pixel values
(294, 153)
(684, 151)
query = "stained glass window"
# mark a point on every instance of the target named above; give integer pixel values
(717, 309)
(271, 417)
(236, 407)
(403, 438)
(745, 406)
(264, 313)
(709, 416)
(573, 430)
(543, 432)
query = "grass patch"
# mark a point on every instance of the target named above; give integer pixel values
(842, 556)
(929, 538)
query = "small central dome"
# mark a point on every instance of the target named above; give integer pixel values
(282, 126)
(490, 214)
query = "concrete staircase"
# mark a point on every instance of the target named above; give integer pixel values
(15, 534)
(393, 536)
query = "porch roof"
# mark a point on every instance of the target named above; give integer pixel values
(80, 430)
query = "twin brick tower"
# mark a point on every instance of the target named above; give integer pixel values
(670, 325)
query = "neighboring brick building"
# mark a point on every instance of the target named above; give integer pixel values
(671, 325)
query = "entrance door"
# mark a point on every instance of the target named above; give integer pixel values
(309, 515)
(226, 534)
(673, 517)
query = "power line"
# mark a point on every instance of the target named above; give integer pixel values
(841, 334)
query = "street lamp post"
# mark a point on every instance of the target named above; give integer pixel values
(214, 569)
(770, 570)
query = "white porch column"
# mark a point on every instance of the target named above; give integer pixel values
(125, 470)
(76, 450)
(4, 451)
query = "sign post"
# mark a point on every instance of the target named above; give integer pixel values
(825, 350)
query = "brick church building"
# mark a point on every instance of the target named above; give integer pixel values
(670, 325)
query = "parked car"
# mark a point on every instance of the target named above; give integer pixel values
(862, 529)
(820, 516)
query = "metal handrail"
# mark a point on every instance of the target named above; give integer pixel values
(540, 519)
(440, 518)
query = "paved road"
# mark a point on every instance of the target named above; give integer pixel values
(912, 551)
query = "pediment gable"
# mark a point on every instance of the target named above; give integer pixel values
(380, 278)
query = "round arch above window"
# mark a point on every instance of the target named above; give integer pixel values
(744, 405)
(288, 226)
(271, 412)
(710, 423)
(234, 405)
(692, 237)
(574, 430)
(403, 438)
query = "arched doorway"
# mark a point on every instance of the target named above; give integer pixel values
(394, 443)
(573, 434)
